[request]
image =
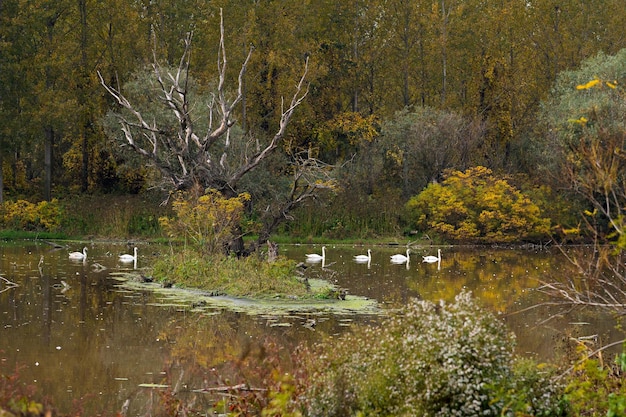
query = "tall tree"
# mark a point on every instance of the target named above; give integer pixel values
(214, 156)
(419, 146)
(410, 42)
(85, 124)
(50, 45)
(47, 97)
(582, 136)
(9, 98)
(105, 36)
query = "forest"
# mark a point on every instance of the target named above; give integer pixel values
(394, 97)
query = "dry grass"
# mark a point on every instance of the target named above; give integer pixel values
(113, 216)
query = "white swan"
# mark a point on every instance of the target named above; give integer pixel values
(79, 256)
(129, 258)
(431, 258)
(400, 259)
(364, 258)
(314, 257)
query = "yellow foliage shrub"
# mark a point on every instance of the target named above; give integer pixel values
(207, 222)
(476, 206)
(24, 215)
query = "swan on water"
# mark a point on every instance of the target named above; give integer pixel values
(129, 258)
(399, 259)
(79, 255)
(364, 258)
(314, 257)
(431, 258)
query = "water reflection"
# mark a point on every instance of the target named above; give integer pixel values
(83, 338)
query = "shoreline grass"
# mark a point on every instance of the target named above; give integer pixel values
(227, 275)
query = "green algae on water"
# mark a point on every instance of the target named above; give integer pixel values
(280, 304)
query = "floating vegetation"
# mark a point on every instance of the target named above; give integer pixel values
(153, 386)
(207, 302)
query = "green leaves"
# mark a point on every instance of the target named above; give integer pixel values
(582, 134)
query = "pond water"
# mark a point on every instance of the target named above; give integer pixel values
(90, 344)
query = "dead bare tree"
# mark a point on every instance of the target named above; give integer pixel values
(595, 167)
(187, 158)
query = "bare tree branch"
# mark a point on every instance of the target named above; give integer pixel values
(591, 355)
(285, 117)
(216, 158)
(310, 176)
(226, 108)
(174, 88)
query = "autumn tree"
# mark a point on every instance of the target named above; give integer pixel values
(419, 145)
(410, 44)
(9, 84)
(494, 61)
(45, 92)
(194, 141)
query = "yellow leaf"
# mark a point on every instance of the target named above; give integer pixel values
(582, 121)
(589, 213)
(572, 231)
(590, 84)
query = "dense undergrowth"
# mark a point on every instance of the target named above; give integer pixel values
(84, 216)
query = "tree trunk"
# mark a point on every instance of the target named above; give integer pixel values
(82, 6)
(84, 174)
(48, 129)
(444, 51)
(49, 144)
(236, 245)
(1, 180)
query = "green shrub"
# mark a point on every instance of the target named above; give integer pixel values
(143, 224)
(477, 206)
(430, 360)
(596, 388)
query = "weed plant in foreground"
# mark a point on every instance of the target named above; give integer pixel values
(16, 398)
(430, 360)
